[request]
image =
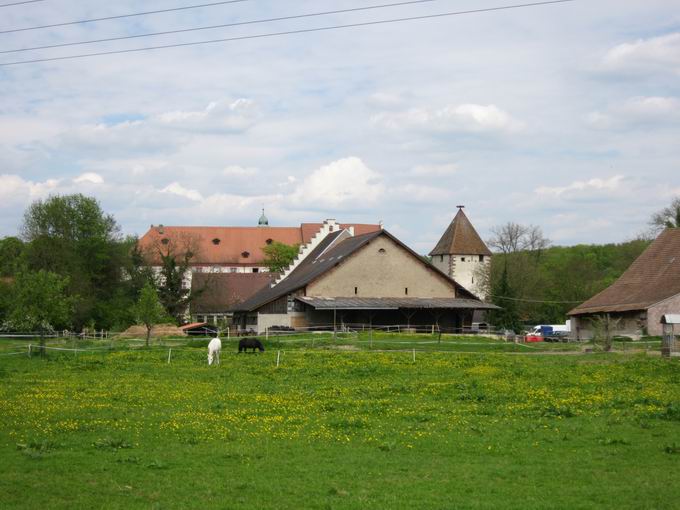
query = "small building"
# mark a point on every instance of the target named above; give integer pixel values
(217, 293)
(646, 291)
(461, 254)
(369, 279)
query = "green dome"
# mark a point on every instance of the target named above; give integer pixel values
(263, 221)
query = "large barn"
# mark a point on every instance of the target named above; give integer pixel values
(636, 302)
(368, 279)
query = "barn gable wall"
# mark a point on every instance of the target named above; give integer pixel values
(386, 274)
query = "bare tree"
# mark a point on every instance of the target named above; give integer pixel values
(513, 237)
(668, 217)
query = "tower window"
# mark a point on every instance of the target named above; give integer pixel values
(356, 290)
(406, 291)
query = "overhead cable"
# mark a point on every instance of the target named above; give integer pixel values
(21, 3)
(120, 16)
(225, 25)
(287, 32)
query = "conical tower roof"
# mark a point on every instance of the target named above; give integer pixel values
(460, 238)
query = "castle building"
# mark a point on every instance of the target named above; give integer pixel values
(462, 255)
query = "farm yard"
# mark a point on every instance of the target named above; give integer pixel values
(339, 425)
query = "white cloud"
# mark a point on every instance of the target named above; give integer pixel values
(16, 191)
(639, 110)
(347, 182)
(435, 170)
(90, 178)
(223, 115)
(179, 190)
(662, 51)
(473, 118)
(238, 171)
(579, 187)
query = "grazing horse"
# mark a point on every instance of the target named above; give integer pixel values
(214, 348)
(250, 343)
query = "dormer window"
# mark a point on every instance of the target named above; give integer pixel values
(216, 241)
(245, 254)
(165, 240)
(269, 241)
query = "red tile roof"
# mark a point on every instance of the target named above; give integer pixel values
(237, 246)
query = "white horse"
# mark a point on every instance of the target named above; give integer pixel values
(214, 348)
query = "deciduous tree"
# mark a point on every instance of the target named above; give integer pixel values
(278, 256)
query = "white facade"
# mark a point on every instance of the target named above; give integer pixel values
(467, 270)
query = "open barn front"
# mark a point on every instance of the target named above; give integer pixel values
(446, 315)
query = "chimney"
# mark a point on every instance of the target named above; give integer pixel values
(382, 225)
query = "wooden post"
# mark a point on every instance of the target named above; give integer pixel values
(169, 354)
(370, 335)
(414, 355)
(278, 358)
(29, 350)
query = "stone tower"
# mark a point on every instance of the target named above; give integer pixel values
(461, 253)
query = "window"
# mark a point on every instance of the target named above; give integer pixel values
(233, 269)
(216, 241)
(441, 258)
(406, 291)
(356, 290)
(473, 279)
(269, 241)
(381, 251)
(256, 270)
(245, 254)
(165, 240)
(481, 258)
(462, 259)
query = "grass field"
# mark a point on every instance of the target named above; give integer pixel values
(340, 428)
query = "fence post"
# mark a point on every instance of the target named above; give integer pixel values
(169, 354)
(414, 355)
(370, 336)
(29, 350)
(278, 358)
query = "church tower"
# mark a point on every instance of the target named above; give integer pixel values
(263, 221)
(461, 253)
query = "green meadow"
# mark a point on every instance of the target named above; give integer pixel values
(340, 424)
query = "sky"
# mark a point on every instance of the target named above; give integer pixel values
(565, 116)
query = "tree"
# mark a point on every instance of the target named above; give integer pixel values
(278, 256)
(668, 217)
(172, 256)
(503, 295)
(11, 252)
(513, 237)
(149, 310)
(72, 236)
(40, 304)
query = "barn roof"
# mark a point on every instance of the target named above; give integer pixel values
(217, 292)
(653, 277)
(356, 303)
(232, 245)
(460, 238)
(321, 260)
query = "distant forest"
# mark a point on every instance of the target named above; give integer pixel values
(560, 277)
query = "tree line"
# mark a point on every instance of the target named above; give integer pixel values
(536, 283)
(71, 268)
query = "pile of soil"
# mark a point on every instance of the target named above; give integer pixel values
(158, 330)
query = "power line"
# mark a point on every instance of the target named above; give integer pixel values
(21, 3)
(288, 32)
(226, 25)
(77, 22)
(537, 300)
